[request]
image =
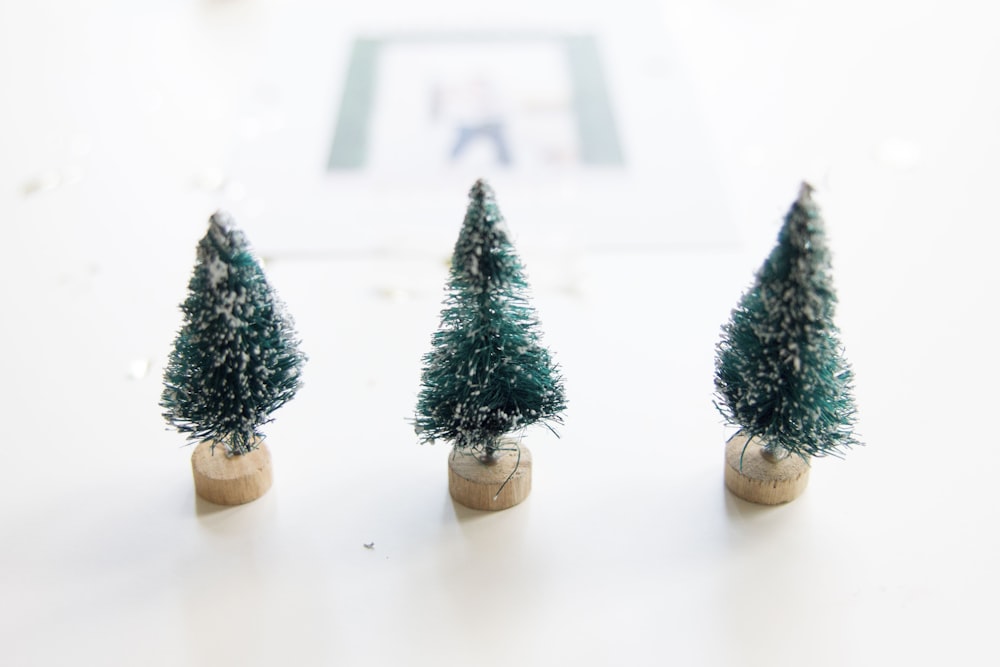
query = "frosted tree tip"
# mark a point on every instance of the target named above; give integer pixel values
(223, 220)
(481, 190)
(805, 193)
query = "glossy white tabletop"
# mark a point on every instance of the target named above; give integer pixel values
(124, 125)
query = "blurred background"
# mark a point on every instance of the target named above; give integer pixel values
(644, 154)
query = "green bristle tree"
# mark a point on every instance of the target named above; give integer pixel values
(236, 358)
(780, 368)
(486, 374)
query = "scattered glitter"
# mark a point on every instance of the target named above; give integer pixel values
(392, 293)
(49, 179)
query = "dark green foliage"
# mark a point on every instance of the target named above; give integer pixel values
(780, 370)
(236, 358)
(486, 374)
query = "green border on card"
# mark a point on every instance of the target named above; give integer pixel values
(598, 134)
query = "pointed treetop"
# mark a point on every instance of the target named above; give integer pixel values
(223, 247)
(481, 194)
(805, 207)
(805, 194)
(223, 220)
(483, 210)
(483, 253)
(224, 237)
(800, 256)
(480, 190)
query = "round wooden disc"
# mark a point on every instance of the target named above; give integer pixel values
(476, 484)
(230, 480)
(761, 481)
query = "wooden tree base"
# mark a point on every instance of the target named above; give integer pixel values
(230, 480)
(475, 484)
(761, 481)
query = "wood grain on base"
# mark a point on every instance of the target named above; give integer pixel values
(230, 480)
(475, 484)
(761, 481)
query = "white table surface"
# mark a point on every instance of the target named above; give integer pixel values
(124, 125)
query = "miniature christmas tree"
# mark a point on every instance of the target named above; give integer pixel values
(236, 358)
(780, 369)
(486, 374)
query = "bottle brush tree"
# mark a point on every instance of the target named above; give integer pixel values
(486, 375)
(236, 358)
(781, 375)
